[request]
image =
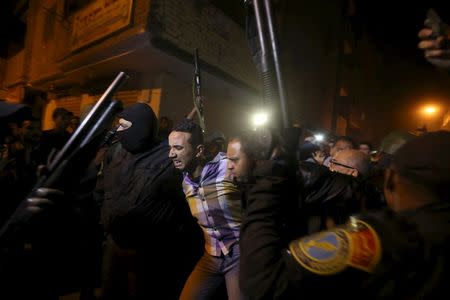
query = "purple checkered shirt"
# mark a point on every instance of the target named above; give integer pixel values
(216, 203)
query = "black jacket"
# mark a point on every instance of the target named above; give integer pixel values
(326, 194)
(142, 197)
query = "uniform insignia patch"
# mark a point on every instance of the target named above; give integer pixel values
(324, 253)
(365, 252)
(330, 252)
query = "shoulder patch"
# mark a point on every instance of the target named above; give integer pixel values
(365, 253)
(324, 253)
(330, 252)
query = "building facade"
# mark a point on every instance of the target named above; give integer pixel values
(73, 49)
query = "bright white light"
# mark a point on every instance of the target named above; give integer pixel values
(319, 137)
(260, 119)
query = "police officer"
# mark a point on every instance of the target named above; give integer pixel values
(401, 252)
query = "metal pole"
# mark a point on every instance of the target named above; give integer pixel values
(270, 89)
(259, 26)
(277, 64)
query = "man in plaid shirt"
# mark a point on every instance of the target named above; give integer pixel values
(216, 203)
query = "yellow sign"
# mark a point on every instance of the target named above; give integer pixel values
(99, 19)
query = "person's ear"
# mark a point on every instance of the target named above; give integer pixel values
(200, 151)
(389, 182)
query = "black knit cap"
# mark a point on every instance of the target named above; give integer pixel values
(426, 161)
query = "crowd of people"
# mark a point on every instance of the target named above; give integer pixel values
(163, 212)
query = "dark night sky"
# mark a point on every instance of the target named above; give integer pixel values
(397, 22)
(393, 26)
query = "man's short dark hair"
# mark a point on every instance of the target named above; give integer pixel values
(247, 142)
(259, 145)
(346, 139)
(60, 112)
(193, 128)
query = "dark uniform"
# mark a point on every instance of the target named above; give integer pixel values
(385, 254)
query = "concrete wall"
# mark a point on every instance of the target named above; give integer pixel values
(226, 110)
(309, 46)
(14, 69)
(188, 24)
(48, 39)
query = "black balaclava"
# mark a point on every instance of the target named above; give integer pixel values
(141, 136)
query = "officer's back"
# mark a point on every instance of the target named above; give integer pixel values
(400, 253)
